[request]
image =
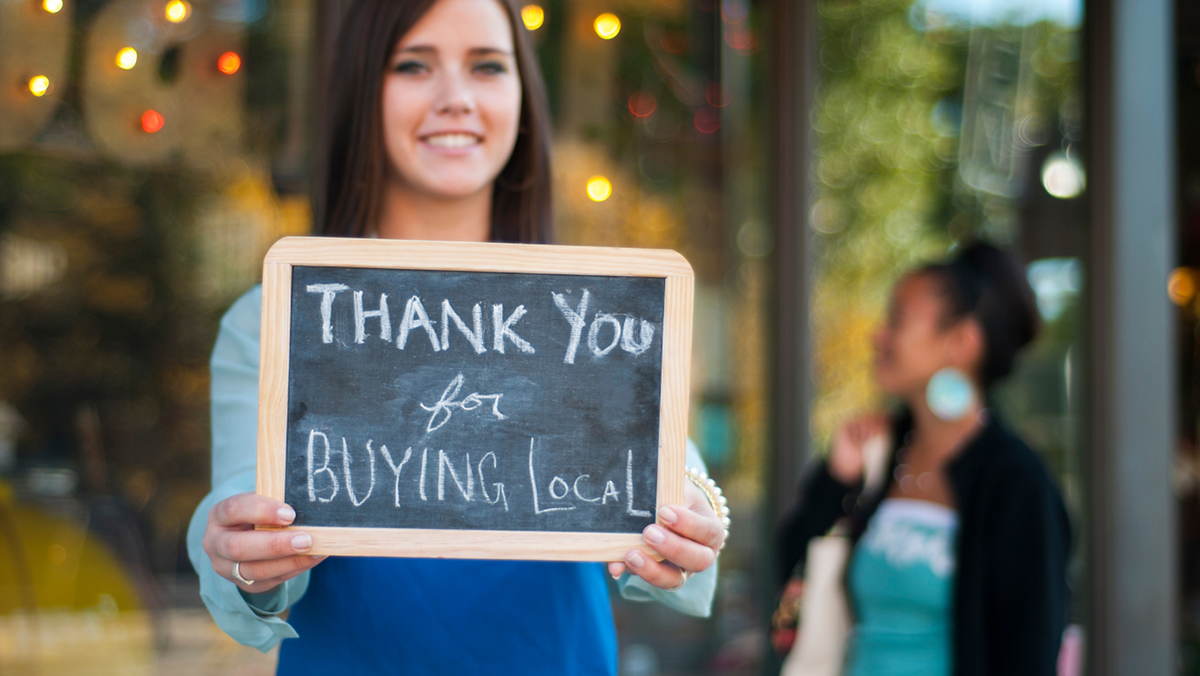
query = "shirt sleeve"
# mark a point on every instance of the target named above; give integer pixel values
(250, 619)
(696, 596)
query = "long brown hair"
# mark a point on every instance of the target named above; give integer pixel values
(351, 156)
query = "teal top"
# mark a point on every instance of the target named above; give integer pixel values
(256, 619)
(901, 580)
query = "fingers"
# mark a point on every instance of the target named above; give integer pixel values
(616, 569)
(300, 564)
(664, 575)
(258, 545)
(250, 509)
(697, 523)
(689, 541)
(275, 570)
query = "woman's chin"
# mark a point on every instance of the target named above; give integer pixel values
(455, 187)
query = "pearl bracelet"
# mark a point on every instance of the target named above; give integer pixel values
(712, 492)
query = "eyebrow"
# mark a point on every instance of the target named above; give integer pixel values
(474, 51)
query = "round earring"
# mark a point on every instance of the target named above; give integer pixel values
(949, 394)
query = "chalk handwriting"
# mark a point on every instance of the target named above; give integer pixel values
(559, 494)
(415, 317)
(361, 316)
(444, 408)
(605, 332)
(396, 469)
(503, 328)
(346, 469)
(534, 484)
(327, 291)
(312, 490)
(576, 318)
(629, 489)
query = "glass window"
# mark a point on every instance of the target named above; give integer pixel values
(150, 153)
(936, 122)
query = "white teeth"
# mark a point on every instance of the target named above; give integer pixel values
(453, 140)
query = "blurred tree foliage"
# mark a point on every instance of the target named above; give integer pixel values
(889, 194)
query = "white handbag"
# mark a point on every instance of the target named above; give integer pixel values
(825, 620)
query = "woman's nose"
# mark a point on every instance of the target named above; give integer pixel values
(455, 97)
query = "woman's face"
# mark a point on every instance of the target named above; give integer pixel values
(452, 100)
(915, 342)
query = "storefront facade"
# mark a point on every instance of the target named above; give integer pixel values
(801, 155)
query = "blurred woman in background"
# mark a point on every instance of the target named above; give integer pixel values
(959, 558)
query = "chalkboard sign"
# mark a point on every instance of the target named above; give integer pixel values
(473, 400)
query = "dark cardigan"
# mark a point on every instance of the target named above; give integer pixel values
(1010, 589)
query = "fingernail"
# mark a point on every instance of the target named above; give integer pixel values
(302, 542)
(286, 514)
(635, 559)
(667, 514)
(653, 534)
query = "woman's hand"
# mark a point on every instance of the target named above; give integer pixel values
(846, 456)
(690, 540)
(267, 558)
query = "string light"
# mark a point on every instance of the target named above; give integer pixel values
(707, 121)
(1181, 286)
(52, 6)
(39, 85)
(178, 11)
(152, 121)
(229, 63)
(607, 25)
(642, 104)
(127, 58)
(599, 188)
(533, 17)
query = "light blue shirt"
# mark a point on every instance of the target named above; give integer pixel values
(253, 619)
(901, 582)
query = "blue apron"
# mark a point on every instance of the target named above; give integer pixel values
(368, 616)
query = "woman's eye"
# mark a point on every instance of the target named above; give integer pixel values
(410, 67)
(490, 68)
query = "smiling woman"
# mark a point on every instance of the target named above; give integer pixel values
(461, 117)
(436, 129)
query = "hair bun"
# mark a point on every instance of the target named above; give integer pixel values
(1008, 285)
(984, 281)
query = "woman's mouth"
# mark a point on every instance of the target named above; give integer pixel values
(453, 140)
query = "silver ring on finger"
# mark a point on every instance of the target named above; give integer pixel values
(683, 577)
(237, 574)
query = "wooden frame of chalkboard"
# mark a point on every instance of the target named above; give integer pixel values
(293, 255)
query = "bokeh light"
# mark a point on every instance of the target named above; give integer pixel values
(673, 41)
(229, 63)
(152, 121)
(1181, 286)
(607, 25)
(717, 96)
(533, 17)
(734, 11)
(1062, 176)
(642, 104)
(599, 188)
(741, 38)
(178, 11)
(39, 85)
(127, 58)
(707, 121)
(52, 6)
